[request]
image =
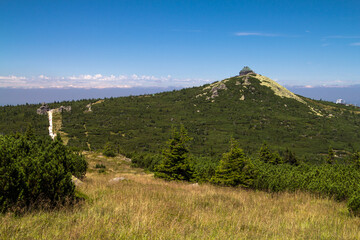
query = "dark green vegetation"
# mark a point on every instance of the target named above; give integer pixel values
(234, 169)
(16, 119)
(109, 150)
(339, 181)
(175, 162)
(142, 123)
(36, 172)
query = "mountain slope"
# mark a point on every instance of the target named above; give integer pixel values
(251, 108)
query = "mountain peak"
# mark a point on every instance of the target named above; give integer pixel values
(246, 70)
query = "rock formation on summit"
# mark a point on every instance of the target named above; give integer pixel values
(43, 109)
(246, 70)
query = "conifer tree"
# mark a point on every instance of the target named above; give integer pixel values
(290, 158)
(175, 163)
(265, 154)
(356, 159)
(331, 156)
(276, 158)
(29, 134)
(234, 168)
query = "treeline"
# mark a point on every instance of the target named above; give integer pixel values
(269, 171)
(37, 172)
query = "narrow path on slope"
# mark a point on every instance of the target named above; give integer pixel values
(50, 116)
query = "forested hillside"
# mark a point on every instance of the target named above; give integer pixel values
(252, 109)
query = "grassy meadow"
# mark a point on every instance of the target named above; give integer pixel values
(142, 207)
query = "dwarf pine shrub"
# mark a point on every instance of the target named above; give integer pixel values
(354, 204)
(37, 172)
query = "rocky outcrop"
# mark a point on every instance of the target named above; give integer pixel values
(62, 109)
(214, 90)
(117, 179)
(43, 109)
(246, 70)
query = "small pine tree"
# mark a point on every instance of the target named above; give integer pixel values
(30, 133)
(109, 150)
(175, 163)
(331, 156)
(290, 158)
(234, 168)
(276, 158)
(356, 159)
(265, 153)
(269, 157)
(354, 204)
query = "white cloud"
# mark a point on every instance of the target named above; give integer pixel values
(342, 37)
(12, 77)
(355, 44)
(97, 81)
(44, 77)
(241, 34)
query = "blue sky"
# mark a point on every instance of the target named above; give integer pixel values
(98, 44)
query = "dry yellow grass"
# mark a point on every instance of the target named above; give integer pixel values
(277, 88)
(142, 207)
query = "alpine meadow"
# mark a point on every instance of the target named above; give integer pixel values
(241, 158)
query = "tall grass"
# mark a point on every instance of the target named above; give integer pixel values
(142, 207)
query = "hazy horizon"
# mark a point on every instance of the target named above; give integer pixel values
(16, 96)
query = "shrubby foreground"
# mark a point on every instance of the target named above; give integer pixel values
(268, 172)
(36, 172)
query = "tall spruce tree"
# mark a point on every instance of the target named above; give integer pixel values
(175, 163)
(234, 168)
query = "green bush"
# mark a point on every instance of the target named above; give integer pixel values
(109, 150)
(354, 204)
(100, 165)
(204, 168)
(334, 180)
(146, 161)
(37, 172)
